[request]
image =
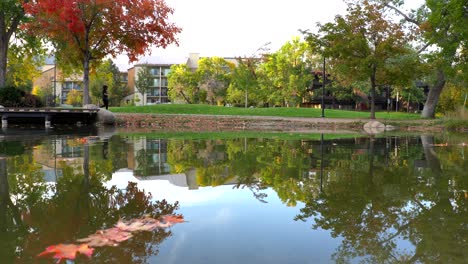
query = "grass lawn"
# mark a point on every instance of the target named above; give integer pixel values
(278, 111)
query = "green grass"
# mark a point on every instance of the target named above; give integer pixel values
(278, 111)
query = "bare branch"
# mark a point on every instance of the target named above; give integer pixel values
(407, 18)
(424, 47)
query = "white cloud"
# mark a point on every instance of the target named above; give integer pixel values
(163, 189)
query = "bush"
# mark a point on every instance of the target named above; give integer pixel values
(13, 97)
(30, 100)
(457, 120)
(10, 96)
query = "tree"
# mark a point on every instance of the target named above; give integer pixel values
(443, 27)
(89, 30)
(11, 16)
(288, 71)
(361, 45)
(107, 73)
(214, 76)
(245, 78)
(24, 62)
(182, 83)
(75, 98)
(144, 81)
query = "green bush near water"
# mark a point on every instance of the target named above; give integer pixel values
(14, 97)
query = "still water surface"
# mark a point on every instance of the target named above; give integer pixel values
(387, 199)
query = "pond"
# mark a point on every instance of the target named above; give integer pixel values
(233, 198)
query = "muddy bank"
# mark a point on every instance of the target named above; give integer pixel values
(209, 123)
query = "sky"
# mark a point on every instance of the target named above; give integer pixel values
(231, 28)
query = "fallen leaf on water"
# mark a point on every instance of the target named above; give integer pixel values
(148, 224)
(111, 237)
(139, 224)
(67, 251)
(173, 219)
(440, 145)
(107, 237)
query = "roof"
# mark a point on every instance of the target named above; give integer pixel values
(162, 60)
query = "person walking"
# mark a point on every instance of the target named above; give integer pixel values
(105, 96)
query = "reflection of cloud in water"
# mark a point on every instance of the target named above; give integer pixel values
(223, 216)
(163, 187)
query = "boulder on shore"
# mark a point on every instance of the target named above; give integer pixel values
(375, 127)
(104, 116)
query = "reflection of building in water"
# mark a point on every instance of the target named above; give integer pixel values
(149, 157)
(187, 179)
(59, 153)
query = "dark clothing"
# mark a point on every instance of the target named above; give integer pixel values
(105, 98)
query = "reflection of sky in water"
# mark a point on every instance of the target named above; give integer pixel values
(227, 225)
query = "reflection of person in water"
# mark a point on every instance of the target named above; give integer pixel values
(105, 149)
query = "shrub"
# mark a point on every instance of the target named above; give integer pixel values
(30, 100)
(457, 120)
(10, 96)
(14, 97)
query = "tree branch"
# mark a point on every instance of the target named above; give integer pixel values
(424, 47)
(407, 18)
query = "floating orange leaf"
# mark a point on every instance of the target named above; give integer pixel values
(173, 219)
(139, 224)
(107, 237)
(112, 236)
(67, 251)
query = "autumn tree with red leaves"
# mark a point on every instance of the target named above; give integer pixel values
(89, 30)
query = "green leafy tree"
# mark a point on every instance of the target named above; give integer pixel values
(361, 45)
(11, 17)
(444, 34)
(452, 97)
(75, 98)
(107, 73)
(182, 84)
(286, 73)
(144, 81)
(214, 76)
(244, 86)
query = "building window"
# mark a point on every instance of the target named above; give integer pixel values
(156, 82)
(154, 92)
(166, 71)
(154, 71)
(71, 86)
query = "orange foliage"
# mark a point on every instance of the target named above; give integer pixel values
(104, 27)
(67, 251)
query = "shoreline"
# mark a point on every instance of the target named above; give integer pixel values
(212, 123)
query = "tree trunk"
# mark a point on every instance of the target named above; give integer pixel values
(86, 79)
(433, 96)
(430, 155)
(3, 59)
(372, 79)
(246, 98)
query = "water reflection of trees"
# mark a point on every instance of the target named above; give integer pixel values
(372, 192)
(35, 214)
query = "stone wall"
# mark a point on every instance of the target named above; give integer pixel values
(232, 123)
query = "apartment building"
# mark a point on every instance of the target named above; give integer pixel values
(160, 67)
(52, 79)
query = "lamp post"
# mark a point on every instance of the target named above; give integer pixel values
(323, 88)
(55, 82)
